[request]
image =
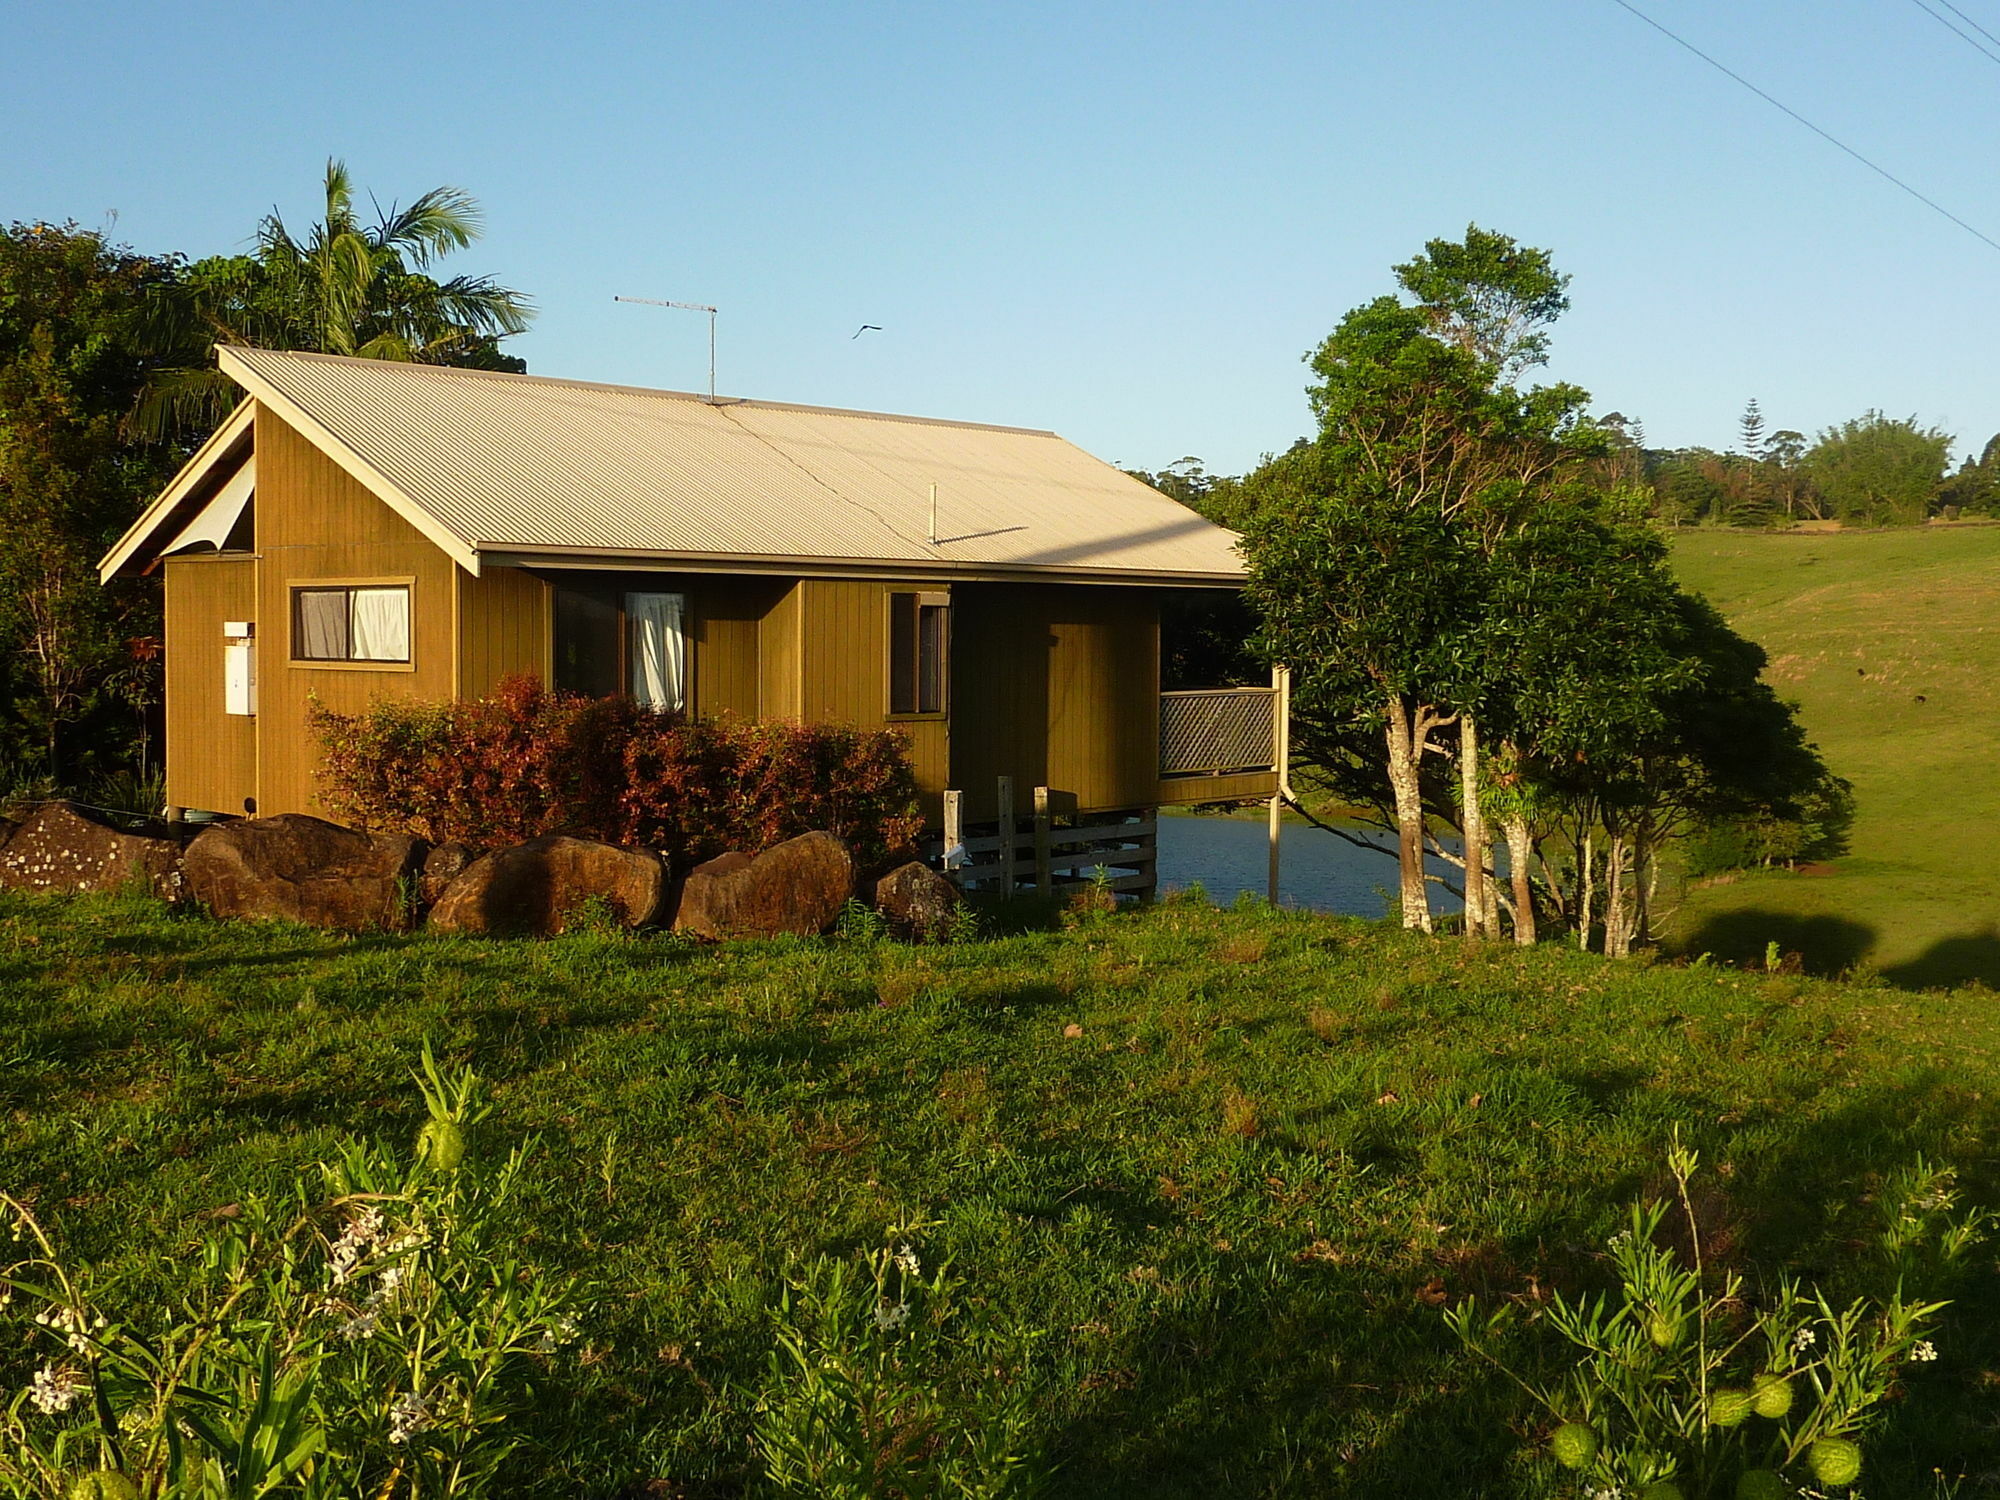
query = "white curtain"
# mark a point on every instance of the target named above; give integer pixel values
(657, 651)
(380, 628)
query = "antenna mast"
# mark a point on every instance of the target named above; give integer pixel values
(700, 307)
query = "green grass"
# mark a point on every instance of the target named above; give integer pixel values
(1890, 643)
(1206, 1176)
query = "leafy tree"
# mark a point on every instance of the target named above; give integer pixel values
(1750, 427)
(1879, 470)
(78, 662)
(1975, 488)
(1490, 296)
(343, 287)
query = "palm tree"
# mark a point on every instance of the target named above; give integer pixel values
(345, 287)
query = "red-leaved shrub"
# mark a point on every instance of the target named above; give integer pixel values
(526, 762)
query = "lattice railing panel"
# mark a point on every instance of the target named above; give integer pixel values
(1217, 729)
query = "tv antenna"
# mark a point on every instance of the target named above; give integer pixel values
(700, 307)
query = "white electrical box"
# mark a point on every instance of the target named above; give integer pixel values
(239, 677)
(238, 630)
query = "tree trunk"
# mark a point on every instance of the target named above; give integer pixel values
(1520, 855)
(1615, 942)
(1644, 876)
(1585, 861)
(1405, 755)
(1473, 823)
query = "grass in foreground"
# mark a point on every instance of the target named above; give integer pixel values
(1890, 643)
(1207, 1178)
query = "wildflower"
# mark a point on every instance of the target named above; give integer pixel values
(906, 1260)
(890, 1315)
(55, 1390)
(362, 1236)
(1803, 1340)
(408, 1416)
(363, 1324)
(563, 1330)
(1924, 1352)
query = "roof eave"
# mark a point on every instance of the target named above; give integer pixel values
(221, 445)
(502, 555)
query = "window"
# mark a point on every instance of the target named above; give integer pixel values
(655, 650)
(918, 640)
(370, 623)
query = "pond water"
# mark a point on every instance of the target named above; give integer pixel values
(1316, 870)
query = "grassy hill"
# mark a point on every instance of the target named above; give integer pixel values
(1204, 1178)
(1890, 643)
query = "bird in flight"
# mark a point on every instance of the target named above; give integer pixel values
(866, 328)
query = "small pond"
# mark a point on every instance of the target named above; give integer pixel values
(1227, 855)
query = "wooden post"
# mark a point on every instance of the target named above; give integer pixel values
(954, 835)
(1281, 752)
(1044, 881)
(1005, 796)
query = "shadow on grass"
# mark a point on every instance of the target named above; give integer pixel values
(1826, 946)
(1972, 959)
(1308, 1378)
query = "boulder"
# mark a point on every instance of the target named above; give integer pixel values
(537, 888)
(798, 886)
(63, 847)
(298, 868)
(917, 902)
(444, 864)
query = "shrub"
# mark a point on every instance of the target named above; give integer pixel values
(527, 762)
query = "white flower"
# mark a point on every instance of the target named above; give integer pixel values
(906, 1260)
(363, 1324)
(408, 1416)
(1804, 1339)
(891, 1315)
(564, 1330)
(55, 1390)
(1924, 1352)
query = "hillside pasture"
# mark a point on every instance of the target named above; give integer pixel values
(1889, 642)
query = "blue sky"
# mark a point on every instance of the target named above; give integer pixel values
(1123, 221)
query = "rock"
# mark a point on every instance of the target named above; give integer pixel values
(917, 902)
(798, 886)
(444, 864)
(303, 869)
(536, 888)
(64, 847)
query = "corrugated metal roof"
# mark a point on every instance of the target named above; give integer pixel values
(520, 463)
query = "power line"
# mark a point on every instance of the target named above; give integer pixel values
(1965, 36)
(1970, 22)
(1828, 137)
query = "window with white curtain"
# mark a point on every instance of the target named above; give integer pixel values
(656, 650)
(366, 623)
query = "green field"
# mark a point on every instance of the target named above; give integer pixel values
(1205, 1178)
(1889, 641)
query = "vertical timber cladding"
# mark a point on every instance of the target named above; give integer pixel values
(844, 673)
(1055, 685)
(211, 755)
(503, 629)
(315, 521)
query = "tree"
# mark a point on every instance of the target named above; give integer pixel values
(1750, 426)
(1879, 470)
(345, 287)
(1368, 563)
(76, 660)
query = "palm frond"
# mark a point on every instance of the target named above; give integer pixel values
(180, 403)
(435, 224)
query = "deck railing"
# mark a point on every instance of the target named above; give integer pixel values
(1211, 730)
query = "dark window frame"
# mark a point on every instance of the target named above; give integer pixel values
(919, 654)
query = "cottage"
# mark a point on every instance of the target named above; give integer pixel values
(360, 528)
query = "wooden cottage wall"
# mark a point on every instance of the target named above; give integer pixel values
(503, 629)
(1057, 686)
(316, 522)
(844, 672)
(211, 755)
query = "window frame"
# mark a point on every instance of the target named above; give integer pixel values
(926, 598)
(294, 587)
